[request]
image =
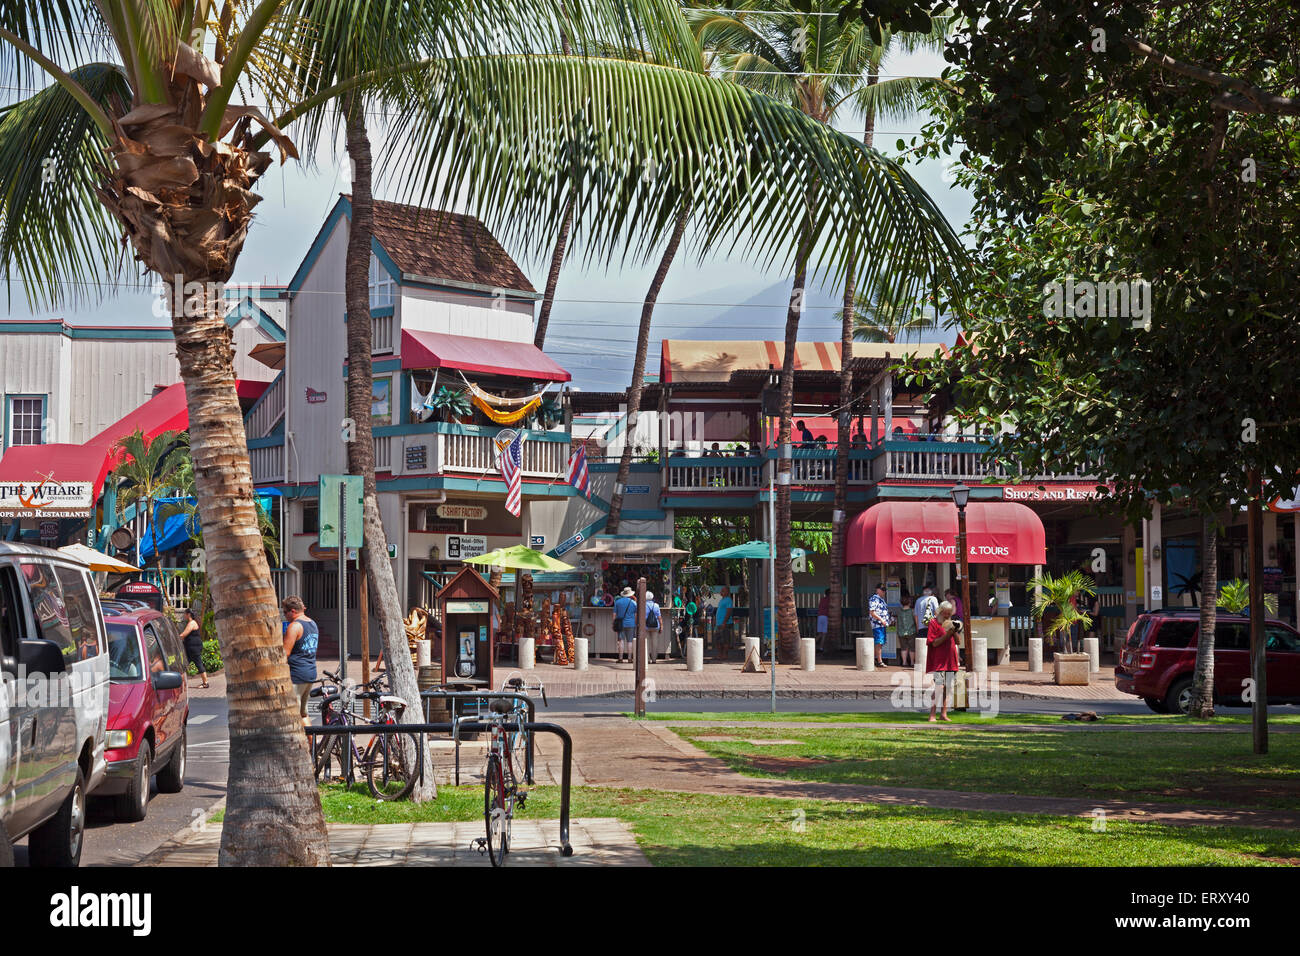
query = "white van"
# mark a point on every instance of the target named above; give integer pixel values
(54, 705)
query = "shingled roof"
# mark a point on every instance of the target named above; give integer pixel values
(445, 245)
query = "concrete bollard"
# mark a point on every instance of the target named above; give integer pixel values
(921, 652)
(527, 658)
(866, 661)
(808, 654)
(1092, 647)
(580, 654)
(752, 646)
(423, 653)
(979, 652)
(1035, 655)
(695, 653)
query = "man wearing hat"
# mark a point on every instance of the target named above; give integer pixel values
(625, 622)
(879, 612)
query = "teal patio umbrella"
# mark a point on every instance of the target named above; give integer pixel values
(753, 550)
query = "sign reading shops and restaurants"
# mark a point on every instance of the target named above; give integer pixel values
(462, 546)
(1052, 492)
(462, 512)
(47, 499)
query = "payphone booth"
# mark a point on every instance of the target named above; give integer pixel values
(469, 611)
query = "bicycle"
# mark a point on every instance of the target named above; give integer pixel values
(383, 761)
(501, 788)
(521, 738)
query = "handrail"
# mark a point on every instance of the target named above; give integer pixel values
(566, 775)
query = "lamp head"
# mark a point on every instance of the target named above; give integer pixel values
(960, 494)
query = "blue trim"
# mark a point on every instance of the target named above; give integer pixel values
(589, 532)
(644, 514)
(639, 467)
(387, 365)
(9, 413)
(58, 327)
(385, 260)
(476, 293)
(378, 312)
(248, 307)
(270, 441)
(341, 209)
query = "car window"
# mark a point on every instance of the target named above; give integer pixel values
(124, 662)
(171, 644)
(154, 648)
(48, 607)
(1280, 639)
(1231, 636)
(1179, 634)
(11, 613)
(1138, 631)
(81, 612)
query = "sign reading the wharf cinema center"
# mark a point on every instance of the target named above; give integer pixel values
(1053, 492)
(47, 499)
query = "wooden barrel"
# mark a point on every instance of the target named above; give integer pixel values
(431, 676)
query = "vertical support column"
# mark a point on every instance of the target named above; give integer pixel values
(1156, 578)
(1296, 526)
(980, 592)
(1128, 545)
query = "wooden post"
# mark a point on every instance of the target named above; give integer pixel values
(639, 647)
(363, 587)
(1255, 547)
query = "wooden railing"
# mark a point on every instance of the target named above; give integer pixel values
(383, 452)
(713, 474)
(267, 463)
(948, 461)
(477, 453)
(268, 410)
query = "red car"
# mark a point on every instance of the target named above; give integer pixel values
(148, 707)
(1158, 659)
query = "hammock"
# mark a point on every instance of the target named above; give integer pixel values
(501, 410)
(497, 400)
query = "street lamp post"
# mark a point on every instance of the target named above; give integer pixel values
(960, 495)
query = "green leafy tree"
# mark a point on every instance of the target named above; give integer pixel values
(149, 469)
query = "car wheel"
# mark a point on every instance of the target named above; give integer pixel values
(171, 778)
(134, 803)
(58, 841)
(1179, 698)
(1156, 704)
(6, 849)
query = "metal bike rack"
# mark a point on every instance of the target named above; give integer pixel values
(566, 776)
(482, 695)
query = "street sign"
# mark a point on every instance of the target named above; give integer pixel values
(569, 544)
(537, 542)
(353, 490)
(692, 568)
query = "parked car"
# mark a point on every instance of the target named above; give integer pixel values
(1158, 659)
(148, 708)
(54, 709)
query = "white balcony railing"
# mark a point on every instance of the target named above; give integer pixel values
(383, 452)
(477, 454)
(714, 474)
(269, 410)
(267, 464)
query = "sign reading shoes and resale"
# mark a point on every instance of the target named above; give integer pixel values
(47, 499)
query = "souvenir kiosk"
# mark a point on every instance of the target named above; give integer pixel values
(617, 563)
(469, 611)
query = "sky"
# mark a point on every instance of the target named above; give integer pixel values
(594, 320)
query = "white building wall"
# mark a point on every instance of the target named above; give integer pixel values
(30, 365)
(464, 313)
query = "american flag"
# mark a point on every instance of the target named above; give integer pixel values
(512, 466)
(578, 469)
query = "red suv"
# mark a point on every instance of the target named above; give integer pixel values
(148, 707)
(1158, 659)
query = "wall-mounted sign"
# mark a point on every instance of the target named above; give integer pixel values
(462, 546)
(537, 542)
(462, 512)
(1002, 591)
(637, 490)
(569, 544)
(692, 568)
(315, 398)
(330, 520)
(467, 607)
(1156, 593)
(417, 457)
(1053, 492)
(1272, 580)
(47, 499)
(49, 532)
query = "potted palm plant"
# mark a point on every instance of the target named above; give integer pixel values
(452, 404)
(1059, 594)
(1234, 597)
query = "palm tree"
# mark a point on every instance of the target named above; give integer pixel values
(1061, 593)
(1202, 704)
(818, 65)
(149, 145)
(149, 469)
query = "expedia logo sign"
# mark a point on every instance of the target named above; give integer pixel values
(910, 546)
(39, 499)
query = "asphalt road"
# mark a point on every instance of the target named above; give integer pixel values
(110, 843)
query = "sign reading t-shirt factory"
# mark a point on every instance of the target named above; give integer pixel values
(47, 499)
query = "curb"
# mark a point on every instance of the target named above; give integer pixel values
(178, 838)
(880, 694)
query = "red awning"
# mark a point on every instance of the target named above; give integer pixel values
(485, 356)
(997, 532)
(166, 411)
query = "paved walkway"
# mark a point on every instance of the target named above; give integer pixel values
(618, 752)
(598, 841)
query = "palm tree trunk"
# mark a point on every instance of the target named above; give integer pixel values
(361, 450)
(638, 371)
(273, 810)
(553, 277)
(839, 523)
(1203, 681)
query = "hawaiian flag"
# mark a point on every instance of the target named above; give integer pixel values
(512, 466)
(578, 469)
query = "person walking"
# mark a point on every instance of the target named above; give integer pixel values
(625, 623)
(653, 621)
(192, 638)
(722, 625)
(823, 620)
(301, 639)
(906, 629)
(879, 613)
(941, 658)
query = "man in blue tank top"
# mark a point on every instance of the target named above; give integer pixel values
(300, 640)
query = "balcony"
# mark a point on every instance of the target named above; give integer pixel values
(268, 410)
(266, 456)
(437, 447)
(947, 459)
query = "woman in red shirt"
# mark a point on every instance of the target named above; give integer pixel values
(941, 657)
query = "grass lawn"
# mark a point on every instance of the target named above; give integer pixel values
(1208, 768)
(1288, 721)
(676, 829)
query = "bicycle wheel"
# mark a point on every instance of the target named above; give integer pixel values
(519, 754)
(324, 756)
(496, 813)
(387, 773)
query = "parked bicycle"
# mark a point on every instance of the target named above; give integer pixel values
(502, 789)
(383, 762)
